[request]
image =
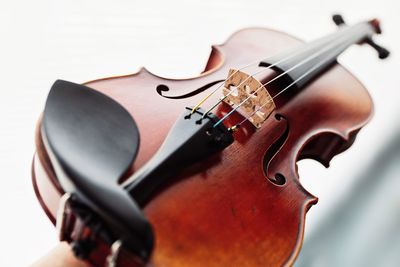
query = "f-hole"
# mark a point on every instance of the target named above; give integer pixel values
(278, 179)
(161, 88)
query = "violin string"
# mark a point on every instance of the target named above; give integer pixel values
(275, 96)
(240, 84)
(278, 94)
(223, 82)
(219, 86)
(274, 79)
(231, 75)
(231, 91)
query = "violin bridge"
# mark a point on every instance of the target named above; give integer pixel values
(238, 87)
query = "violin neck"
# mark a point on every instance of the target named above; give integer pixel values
(311, 59)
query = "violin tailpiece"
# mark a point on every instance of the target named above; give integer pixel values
(255, 101)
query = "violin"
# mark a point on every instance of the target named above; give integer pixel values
(142, 170)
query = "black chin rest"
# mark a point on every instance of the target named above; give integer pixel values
(92, 141)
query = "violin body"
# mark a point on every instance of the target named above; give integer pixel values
(244, 206)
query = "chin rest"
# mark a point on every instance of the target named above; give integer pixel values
(92, 141)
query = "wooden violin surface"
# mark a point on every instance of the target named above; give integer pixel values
(245, 206)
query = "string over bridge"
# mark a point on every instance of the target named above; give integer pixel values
(240, 86)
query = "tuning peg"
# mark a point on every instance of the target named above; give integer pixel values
(338, 19)
(382, 52)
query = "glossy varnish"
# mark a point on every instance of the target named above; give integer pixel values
(245, 206)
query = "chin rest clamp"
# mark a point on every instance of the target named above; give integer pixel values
(76, 225)
(73, 224)
(112, 258)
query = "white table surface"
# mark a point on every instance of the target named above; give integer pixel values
(79, 40)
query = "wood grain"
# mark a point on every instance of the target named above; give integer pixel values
(229, 210)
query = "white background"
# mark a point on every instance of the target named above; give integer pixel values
(78, 40)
